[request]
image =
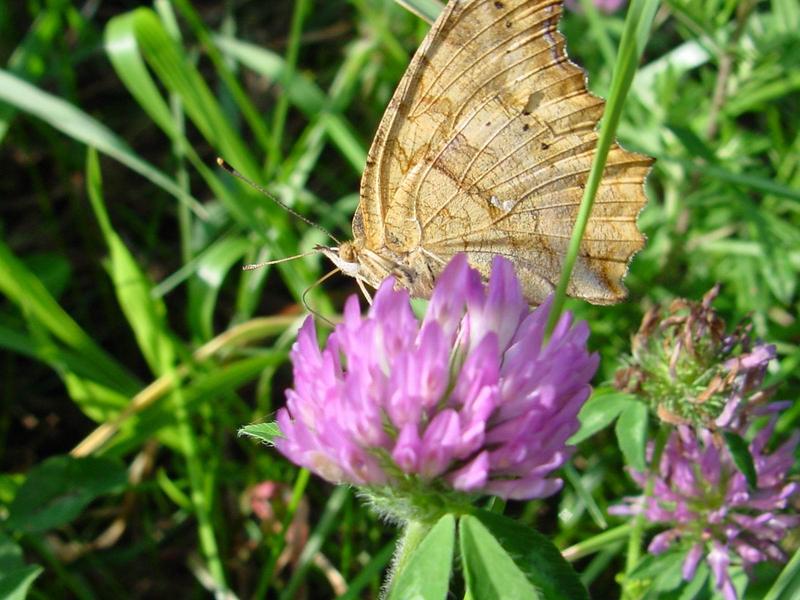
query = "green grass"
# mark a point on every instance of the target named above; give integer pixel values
(129, 331)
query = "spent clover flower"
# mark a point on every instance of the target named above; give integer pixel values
(472, 400)
(690, 371)
(708, 507)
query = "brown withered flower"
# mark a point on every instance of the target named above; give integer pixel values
(691, 372)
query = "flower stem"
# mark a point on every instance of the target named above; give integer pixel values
(202, 502)
(638, 525)
(637, 27)
(597, 543)
(413, 534)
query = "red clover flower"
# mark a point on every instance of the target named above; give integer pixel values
(704, 499)
(473, 400)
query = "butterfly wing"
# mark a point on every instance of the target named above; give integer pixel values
(486, 147)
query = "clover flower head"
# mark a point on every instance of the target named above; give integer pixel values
(472, 400)
(691, 372)
(707, 505)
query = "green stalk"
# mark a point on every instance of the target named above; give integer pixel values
(596, 543)
(201, 501)
(301, 9)
(413, 534)
(427, 10)
(249, 111)
(638, 524)
(179, 147)
(598, 30)
(634, 37)
(300, 484)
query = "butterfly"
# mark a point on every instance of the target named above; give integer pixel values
(485, 148)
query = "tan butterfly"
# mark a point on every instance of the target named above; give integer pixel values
(485, 148)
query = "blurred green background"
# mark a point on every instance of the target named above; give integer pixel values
(130, 335)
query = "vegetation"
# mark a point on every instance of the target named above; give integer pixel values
(133, 340)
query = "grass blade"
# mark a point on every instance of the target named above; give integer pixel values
(144, 313)
(24, 289)
(427, 10)
(75, 123)
(302, 92)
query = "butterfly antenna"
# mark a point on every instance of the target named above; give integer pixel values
(225, 165)
(255, 266)
(311, 287)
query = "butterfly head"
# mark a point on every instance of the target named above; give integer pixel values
(345, 257)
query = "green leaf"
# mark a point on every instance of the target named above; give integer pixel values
(664, 571)
(489, 570)
(603, 407)
(787, 15)
(146, 315)
(125, 54)
(53, 270)
(97, 401)
(178, 73)
(754, 98)
(709, 171)
(10, 554)
(266, 432)
(75, 123)
(502, 556)
(180, 76)
(211, 268)
(91, 386)
(677, 62)
(368, 573)
(631, 433)
(233, 92)
(787, 586)
(28, 61)
(583, 492)
(302, 92)
(58, 489)
(741, 457)
(125, 57)
(9, 484)
(15, 576)
(598, 29)
(220, 381)
(429, 10)
(24, 289)
(426, 576)
(14, 584)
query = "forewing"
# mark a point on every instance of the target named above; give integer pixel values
(487, 146)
